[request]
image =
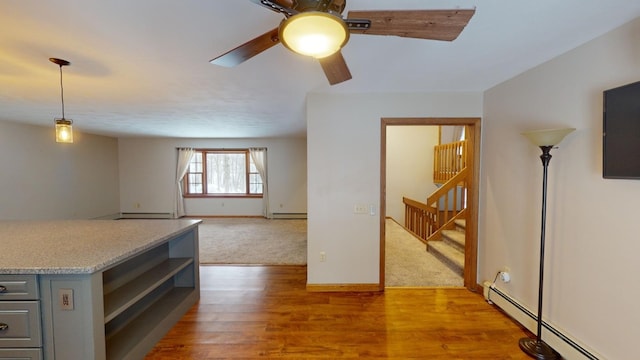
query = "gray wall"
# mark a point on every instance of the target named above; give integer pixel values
(41, 179)
(148, 170)
(591, 284)
(347, 173)
(409, 166)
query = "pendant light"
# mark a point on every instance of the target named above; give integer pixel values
(64, 130)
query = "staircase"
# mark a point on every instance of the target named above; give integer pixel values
(450, 248)
(440, 221)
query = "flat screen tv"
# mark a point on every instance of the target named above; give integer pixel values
(621, 132)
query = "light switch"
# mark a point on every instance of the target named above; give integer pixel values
(359, 209)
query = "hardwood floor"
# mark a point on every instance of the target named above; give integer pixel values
(251, 312)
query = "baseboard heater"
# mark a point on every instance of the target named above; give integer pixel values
(129, 215)
(567, 347)
(114, 216)
(289, 215)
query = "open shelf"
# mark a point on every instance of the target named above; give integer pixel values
(144, 296)
(122, 310)
(125, 296)
(131, 342)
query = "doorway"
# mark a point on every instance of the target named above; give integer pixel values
(473, 138)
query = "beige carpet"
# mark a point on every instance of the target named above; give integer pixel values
(408, 264)
(253, 241)
(258, 241)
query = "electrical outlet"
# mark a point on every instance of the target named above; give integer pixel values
(323, 256)
(65, 298)
(505, 274)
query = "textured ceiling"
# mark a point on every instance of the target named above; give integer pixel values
(141, 68)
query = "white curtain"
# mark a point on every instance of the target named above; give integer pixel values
(184, 158)
(259, 157)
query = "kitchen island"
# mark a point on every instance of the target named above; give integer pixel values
(94, 289)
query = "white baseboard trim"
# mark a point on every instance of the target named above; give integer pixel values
(289, 215)
(115, 216)
(129, 215)
(564, 344)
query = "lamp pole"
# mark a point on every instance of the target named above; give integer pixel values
(546, 140)
(537, 348)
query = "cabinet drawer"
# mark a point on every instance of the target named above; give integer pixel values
(20, 324)
(18, 287)
(21, 354)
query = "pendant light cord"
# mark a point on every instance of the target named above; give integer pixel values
(61, 92)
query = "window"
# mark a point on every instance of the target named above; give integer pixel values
(222, 173)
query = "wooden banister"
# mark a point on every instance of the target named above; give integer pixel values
(447, 226)
(448, 160)
(447, 186)
(449, 202)
(419, 218)
(442, 208)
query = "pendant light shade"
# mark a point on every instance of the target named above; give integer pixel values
(64, 130)
(314, 33)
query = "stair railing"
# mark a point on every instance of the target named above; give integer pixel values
(448, 160)
(419, 218)
(442, 208)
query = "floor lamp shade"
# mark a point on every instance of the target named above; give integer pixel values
(546, 140)
(547, 137)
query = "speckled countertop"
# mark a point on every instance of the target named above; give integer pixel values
(79, 246)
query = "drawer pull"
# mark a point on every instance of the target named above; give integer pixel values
(3, 326)
(3, 289)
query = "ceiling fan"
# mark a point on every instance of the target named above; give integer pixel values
(316, 28)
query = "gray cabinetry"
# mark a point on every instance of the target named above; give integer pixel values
(119, 310)
(20, 328)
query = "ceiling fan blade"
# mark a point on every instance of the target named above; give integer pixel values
(335, 68)
(247, 50)
(280, 6)
(421, 24)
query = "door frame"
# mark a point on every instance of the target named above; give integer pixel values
(471, 243)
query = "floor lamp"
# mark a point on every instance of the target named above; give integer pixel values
(546, 140)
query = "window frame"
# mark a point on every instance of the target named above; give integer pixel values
(204, 194)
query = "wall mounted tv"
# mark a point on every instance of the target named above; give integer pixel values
(621, 132)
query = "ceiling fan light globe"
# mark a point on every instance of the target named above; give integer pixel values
(314, 33)
(316, 45)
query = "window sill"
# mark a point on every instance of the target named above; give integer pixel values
(238, 196)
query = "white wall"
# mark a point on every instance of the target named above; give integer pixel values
(591, 284)
(41, 179)
(343, 159)
(409, 166)
(148, 170)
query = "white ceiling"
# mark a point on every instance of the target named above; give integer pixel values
(141, 68)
